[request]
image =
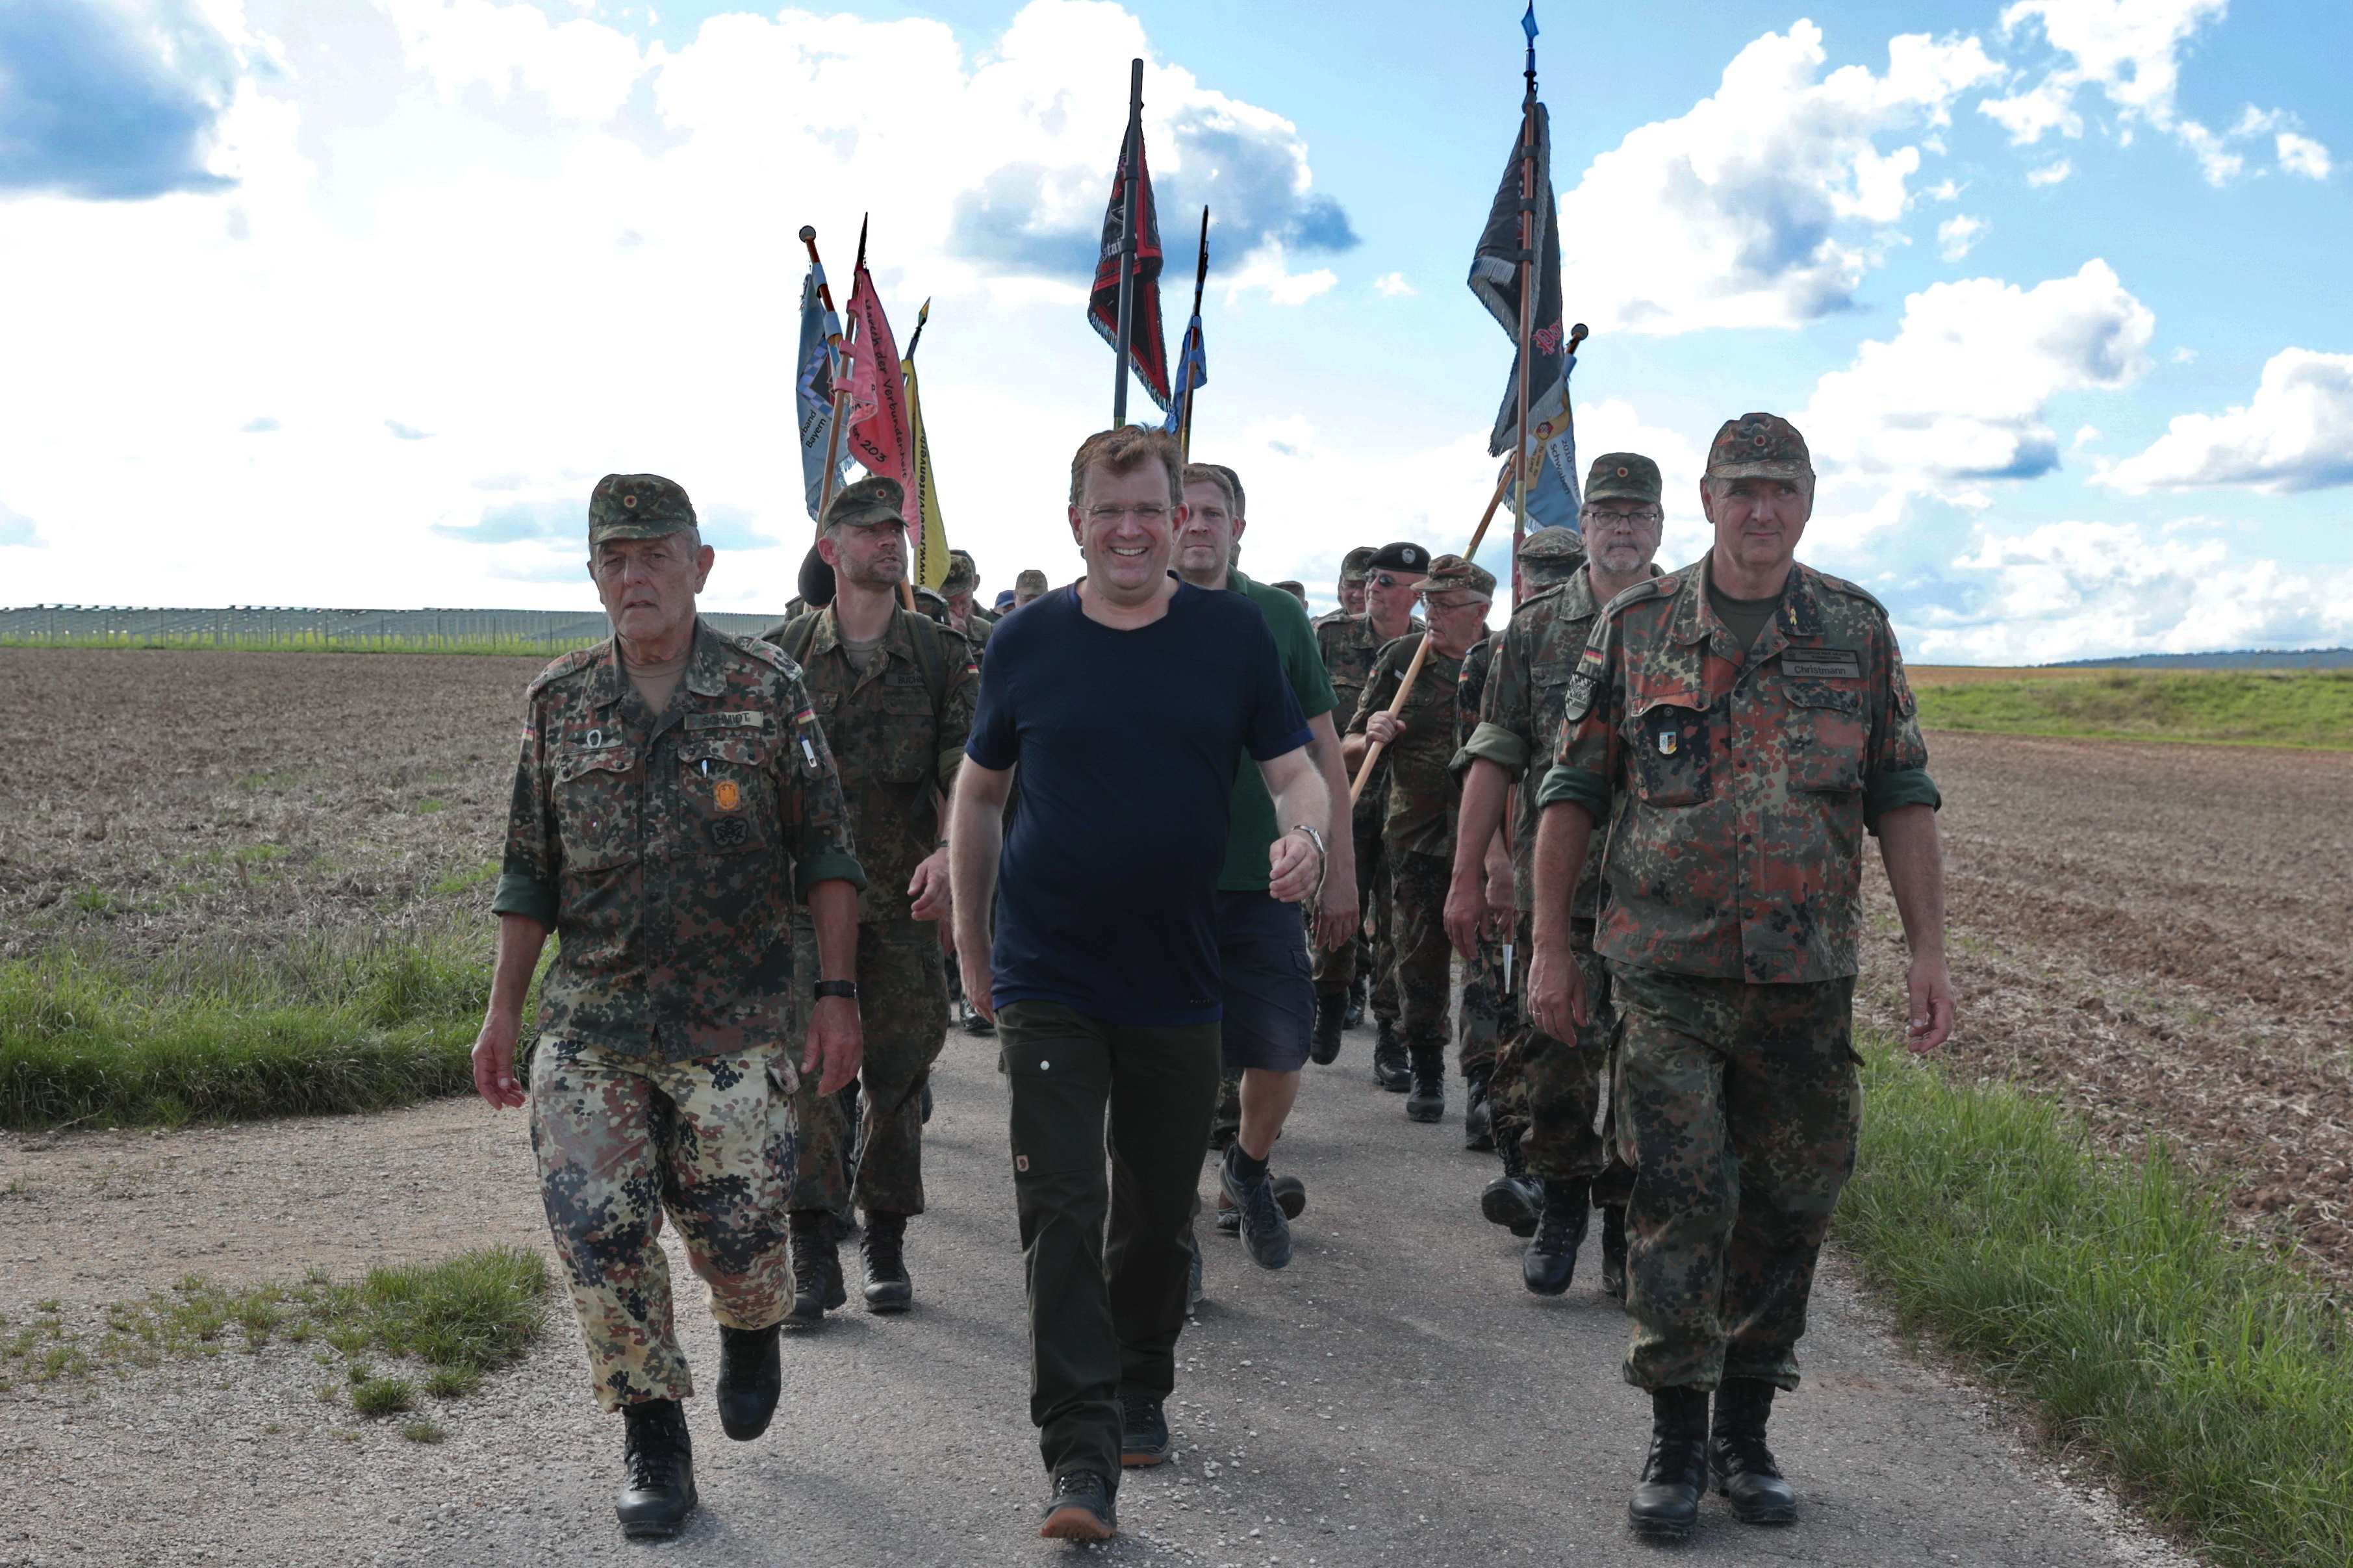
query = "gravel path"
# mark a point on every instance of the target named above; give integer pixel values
(1393, 1397)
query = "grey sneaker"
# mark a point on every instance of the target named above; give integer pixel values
(1265, 1231)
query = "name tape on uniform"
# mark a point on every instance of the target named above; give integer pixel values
(738, 721)
(1822, 664)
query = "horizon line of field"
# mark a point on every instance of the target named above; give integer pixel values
(296, 628)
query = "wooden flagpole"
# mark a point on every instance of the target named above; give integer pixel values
(1529, 235)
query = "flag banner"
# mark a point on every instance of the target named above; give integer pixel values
(1147, 350)
(1495, 280)
(1553, 498)
(927, 555)
(877, 399)
(812, 387)
(1192, 373)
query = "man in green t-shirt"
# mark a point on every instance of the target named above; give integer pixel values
(1270, 1000)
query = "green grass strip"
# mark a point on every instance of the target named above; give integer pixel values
(2311, 708)
(461, 1317)
(2216, 1378)
(304, 1031)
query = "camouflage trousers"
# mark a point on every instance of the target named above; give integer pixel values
(1337, 970)
(1423, 969)
(622, 1140)
(1740, 1114)
(1487, 1006)
(902, 1001)
(1551, 1093)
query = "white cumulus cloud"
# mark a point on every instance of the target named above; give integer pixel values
(1960, 393)
(1393, 285)
(2301, 156)
(2296, 434)
(2130, 52)
(1767, 203)
(1956, 235)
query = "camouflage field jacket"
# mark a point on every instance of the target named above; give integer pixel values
(1348, 646)
(1744, 783)
(1518, 722)
(666, 851)
(897, 757)
(1423, 795)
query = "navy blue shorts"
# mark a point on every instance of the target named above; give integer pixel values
(1269, 1001)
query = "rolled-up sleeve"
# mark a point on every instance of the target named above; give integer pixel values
(1896, 774)
(532, 859)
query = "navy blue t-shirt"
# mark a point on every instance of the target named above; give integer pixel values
(1127, 743)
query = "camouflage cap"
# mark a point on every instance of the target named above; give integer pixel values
(1759, 447)
(870, 503)
(1622, 475)
(1355, 565)
(637, 506)
(1402, 556)
(1551, 556)
(962, 575)
(1031, 582)
(1453, 574)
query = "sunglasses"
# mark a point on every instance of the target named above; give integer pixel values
(1386, 581)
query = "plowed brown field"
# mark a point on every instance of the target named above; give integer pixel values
(2162, 935)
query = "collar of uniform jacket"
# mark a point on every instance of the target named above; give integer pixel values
(706, 671)
(1695, 620)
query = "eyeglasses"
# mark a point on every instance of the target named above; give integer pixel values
(1387, 581)
(1146, 515)
(1620, 519)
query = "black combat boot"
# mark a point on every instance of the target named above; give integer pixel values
(1551, 1256)
(1512, 1199)
(1613, 1251)
(816, 1269)
(1428, 1101)
(1355, 1013)
(1745, 1471)
(1323, 1045)
(1478, 1116)
(751, 1375)
(1389, 1067)
(658, 1460)
(1665, 1503)
(888, 1288)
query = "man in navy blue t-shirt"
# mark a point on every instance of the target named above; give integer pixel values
(1127, 700)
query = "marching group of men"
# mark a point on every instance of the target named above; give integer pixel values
(1124, 816)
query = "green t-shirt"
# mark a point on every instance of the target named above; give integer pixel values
(1746, 619)
(1252, 827)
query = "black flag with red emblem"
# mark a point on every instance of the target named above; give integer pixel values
(1147, 351)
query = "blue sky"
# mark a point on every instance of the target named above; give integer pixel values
(348, 301)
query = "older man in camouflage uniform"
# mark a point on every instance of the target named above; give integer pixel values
(674, 798)
(1418, 742)
(1349, 645)
(1552, 1091)
(1748, 720)
(894, 691)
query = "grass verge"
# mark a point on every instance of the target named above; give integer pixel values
(2213, 1376)
(299, 1031)
(2312, 708)
(462, 1317)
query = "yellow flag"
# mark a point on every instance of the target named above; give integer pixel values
(931, 544)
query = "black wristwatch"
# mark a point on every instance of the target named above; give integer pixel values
(843, 988)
